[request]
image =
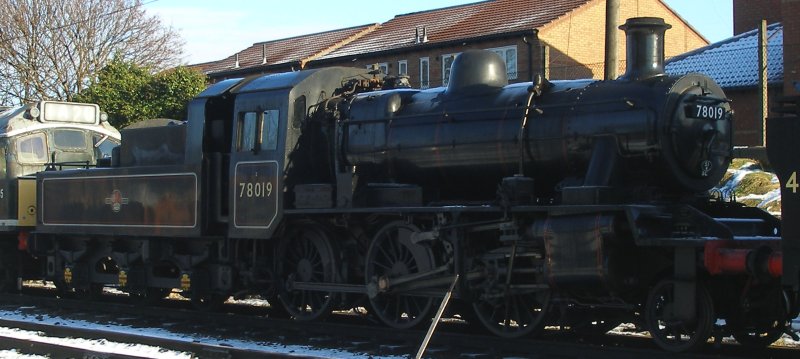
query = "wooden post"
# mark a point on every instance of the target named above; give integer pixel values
(610, 61)
(762, 79)
(546, 61)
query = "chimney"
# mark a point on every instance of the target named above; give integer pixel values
(236, 64)
(644, 51)
(263, 53)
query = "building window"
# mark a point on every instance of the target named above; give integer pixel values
(383, 66)
(424, 73)
(447, 64)
(402, 67)
(509, 55)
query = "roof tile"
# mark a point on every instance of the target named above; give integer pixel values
(489, 17)
(733, 62)
(459, 22)
(288, 50)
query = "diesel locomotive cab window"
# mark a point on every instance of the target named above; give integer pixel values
(103, 145)
(69, 139)
(32, 149)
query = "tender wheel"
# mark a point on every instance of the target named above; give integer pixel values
(671, 333)
(392, 254)
(515, 315)
(307, 256)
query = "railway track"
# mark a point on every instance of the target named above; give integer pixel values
(59, 341)
(242, 331)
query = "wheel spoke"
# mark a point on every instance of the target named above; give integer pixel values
(308, 256)
(668, 331)
(390, 254)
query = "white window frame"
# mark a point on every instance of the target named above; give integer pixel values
(503, 52)
(383, 66)
(402, 67)
(446, 68)
(424, 72)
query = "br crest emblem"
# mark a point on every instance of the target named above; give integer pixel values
(116, 200)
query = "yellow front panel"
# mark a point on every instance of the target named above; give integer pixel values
(26, 207)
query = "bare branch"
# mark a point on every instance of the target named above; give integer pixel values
(51, 49)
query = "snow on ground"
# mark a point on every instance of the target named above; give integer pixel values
(13, 354)
(100, 345)
(628, 329)
(150, 351)
(739, 174)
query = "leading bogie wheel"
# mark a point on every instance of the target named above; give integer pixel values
(762, 325)
(672, 333)
(392, 254)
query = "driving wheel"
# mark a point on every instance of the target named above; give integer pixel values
(392, 255)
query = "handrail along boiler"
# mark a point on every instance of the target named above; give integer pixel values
(578, 203)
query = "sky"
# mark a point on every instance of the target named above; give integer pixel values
(214, 29)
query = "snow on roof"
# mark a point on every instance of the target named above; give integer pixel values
(733, 62)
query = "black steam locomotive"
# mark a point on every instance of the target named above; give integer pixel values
(573, 203)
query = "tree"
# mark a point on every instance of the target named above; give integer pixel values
(129, 93)
(50, 49)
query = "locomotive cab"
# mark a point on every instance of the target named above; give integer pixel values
(275, 152)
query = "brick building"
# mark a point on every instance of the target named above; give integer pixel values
(561, 38)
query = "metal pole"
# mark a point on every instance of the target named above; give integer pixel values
(438, 317)
(612, 17)
(762, 79)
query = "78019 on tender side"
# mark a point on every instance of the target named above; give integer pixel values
(574, 203)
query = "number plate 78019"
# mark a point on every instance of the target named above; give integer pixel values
(708, 112)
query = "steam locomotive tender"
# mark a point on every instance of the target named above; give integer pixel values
(573, 203)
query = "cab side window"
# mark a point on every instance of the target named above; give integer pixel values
(269, 134)
(32, 149)
(246, 131)
(257, 131)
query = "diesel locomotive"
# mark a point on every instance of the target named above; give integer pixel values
(37, 136)
(580, 204)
